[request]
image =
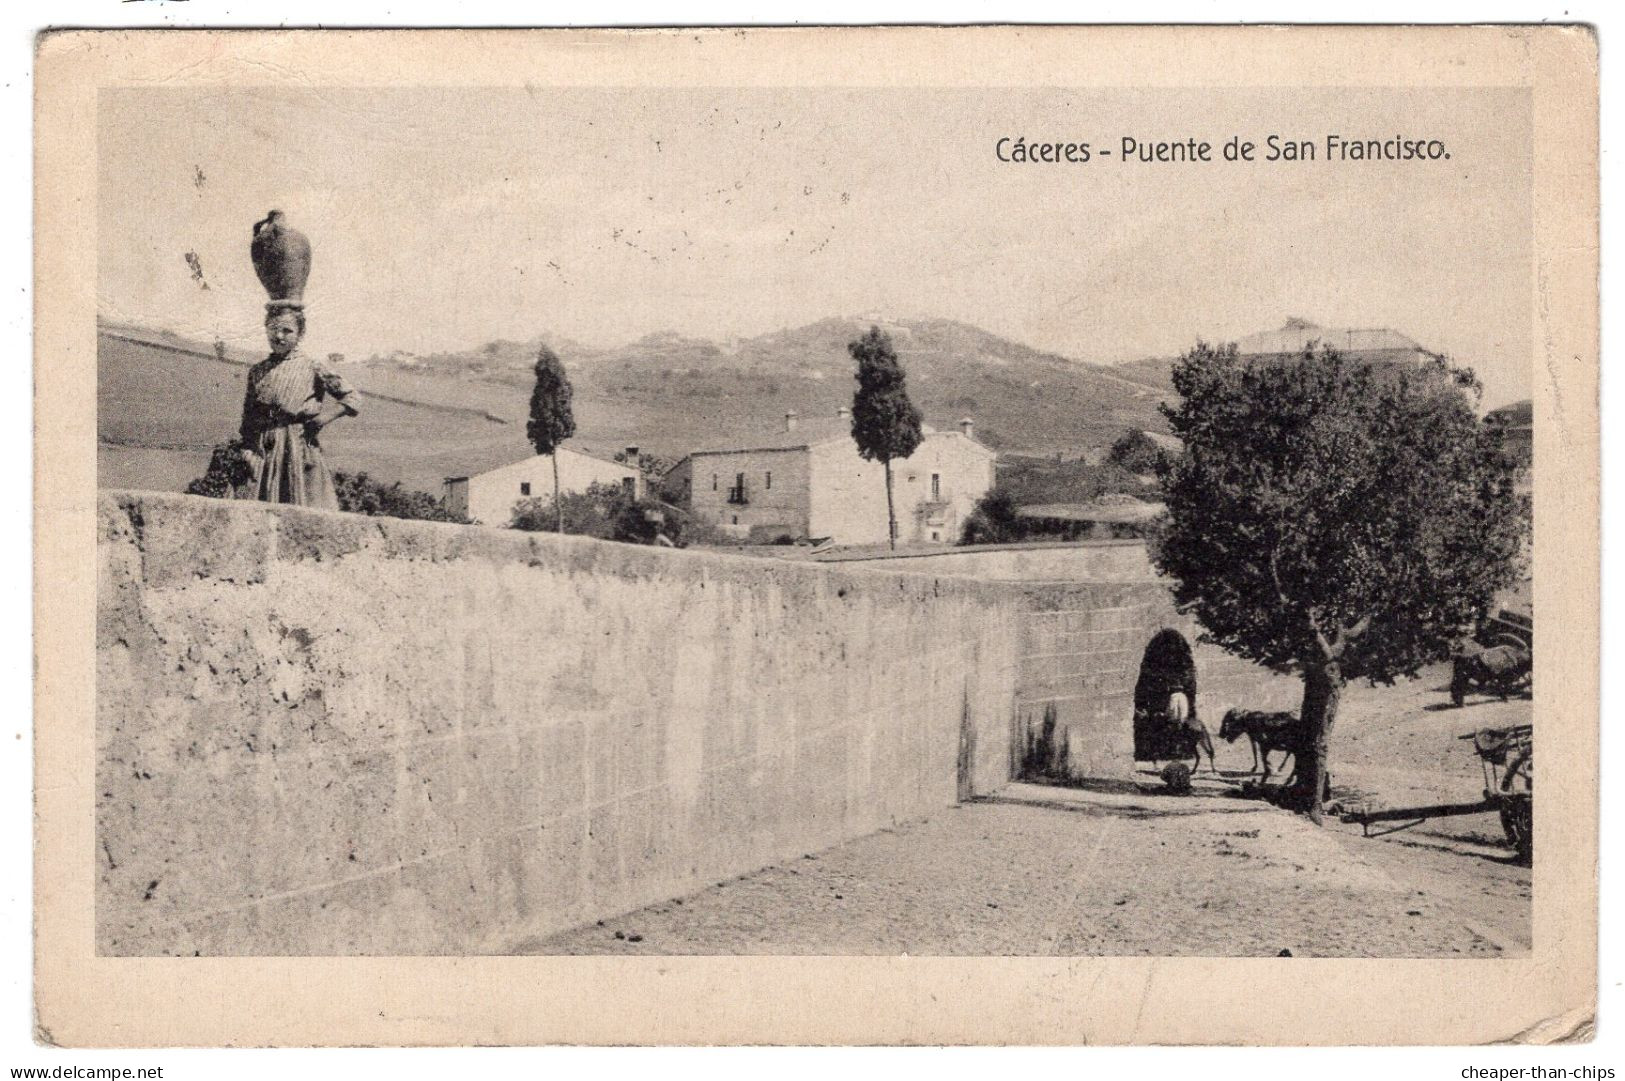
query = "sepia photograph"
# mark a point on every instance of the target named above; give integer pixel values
(561, 520)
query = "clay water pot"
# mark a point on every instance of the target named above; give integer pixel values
(281, 257)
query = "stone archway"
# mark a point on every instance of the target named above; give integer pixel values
(1167, 668)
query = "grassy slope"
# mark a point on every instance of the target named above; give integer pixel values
(159, 411)
(161, 407)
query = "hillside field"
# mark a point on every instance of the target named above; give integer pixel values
(163, 403)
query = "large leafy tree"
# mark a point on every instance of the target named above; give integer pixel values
(885, 424)
(1344, 518)
(551, 419)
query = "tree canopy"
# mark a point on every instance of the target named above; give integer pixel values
(1333, 508)
(1348, 518)
(551, 419)
(885, 424)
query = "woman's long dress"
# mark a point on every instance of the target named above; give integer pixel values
(284, 394)
(1167, 669)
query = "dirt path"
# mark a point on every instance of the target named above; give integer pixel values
(1058, 871)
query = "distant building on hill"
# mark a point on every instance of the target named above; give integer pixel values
(1518, 421)
(807, 480)
(1366, 343)
(488, 497)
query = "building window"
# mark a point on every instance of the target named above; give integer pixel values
(524, 487)
(770, 478)
(713, 482)
(936, 488)
(626, 486)
(736, 519)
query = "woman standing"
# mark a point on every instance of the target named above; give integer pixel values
(286, 406)
(289, 401)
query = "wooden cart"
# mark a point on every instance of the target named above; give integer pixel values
(1507, 758)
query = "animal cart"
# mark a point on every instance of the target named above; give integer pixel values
(1507, 758)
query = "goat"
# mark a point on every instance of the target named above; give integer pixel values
(1267, 731)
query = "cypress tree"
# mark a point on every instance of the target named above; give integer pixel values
(551, 420)
(885, 424)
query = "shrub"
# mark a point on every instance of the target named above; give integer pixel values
(227, 474)
(994, 520)
(361, 494)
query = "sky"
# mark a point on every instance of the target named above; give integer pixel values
(444, 218)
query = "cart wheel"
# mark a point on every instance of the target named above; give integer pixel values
(1518, 819)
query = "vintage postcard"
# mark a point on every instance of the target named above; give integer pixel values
(890, 535)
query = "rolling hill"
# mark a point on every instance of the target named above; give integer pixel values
(164, 402)
(666, 392)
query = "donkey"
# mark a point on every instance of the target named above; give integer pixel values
(1267, 731)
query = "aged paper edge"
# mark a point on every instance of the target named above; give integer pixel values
(85, 1000)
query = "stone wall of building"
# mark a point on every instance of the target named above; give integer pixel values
(1088, 611)
(1080, 648)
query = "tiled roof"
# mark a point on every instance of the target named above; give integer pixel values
(477, 461)
(1298, 335)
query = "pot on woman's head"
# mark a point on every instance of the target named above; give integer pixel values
(281, 257)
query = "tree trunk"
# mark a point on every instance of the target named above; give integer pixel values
(891, 514)
(558, 507)
(1322, 689)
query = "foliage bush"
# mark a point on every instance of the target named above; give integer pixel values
(361, 494)
(605, 511)
(994, 521)
(1137, 453)
(229, 477)
(1038, 480)
(227, 474)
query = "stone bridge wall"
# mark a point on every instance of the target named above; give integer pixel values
(321, 733)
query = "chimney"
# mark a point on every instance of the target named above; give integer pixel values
(845, 412)
(790, 421)
(637, 483)
(967, 427)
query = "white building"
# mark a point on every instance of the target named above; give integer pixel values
(489, 497)
(807, 480)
